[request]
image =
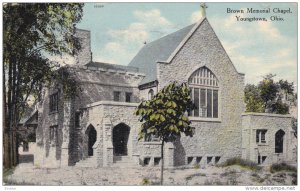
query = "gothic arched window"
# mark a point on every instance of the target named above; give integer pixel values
(205, 93)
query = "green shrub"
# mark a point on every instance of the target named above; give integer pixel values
(232, 172)
(194, 175)
(282, 167)
(294, 180)
(7, 172)
(241, 162)
(257, 178)
(146, 181)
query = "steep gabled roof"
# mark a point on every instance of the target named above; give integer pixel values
(158, 50)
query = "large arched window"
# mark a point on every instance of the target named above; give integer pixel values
(205, 93)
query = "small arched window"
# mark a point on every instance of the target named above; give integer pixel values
(205, 93)
(150, 94)
(279, 135)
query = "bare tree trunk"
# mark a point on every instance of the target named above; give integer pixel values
(9, 111)
(17, 113)
(162, 163)
(4, 123)
(13, 107)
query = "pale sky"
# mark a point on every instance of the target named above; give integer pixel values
(118, 31)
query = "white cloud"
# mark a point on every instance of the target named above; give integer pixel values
(196, 16)
(105, 59)
(229, 46)
(283, 52)
(152, 18)
(135, 32)
(126, 42)
(257, 48)
(113, 46)
(115, 53)
(255, 67)
(246, 29)
(268, 29)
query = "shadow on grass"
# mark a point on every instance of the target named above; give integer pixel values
(240, 162)
(282, 167)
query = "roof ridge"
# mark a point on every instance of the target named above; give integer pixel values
(170, 34)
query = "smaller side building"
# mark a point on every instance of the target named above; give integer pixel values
(268, 138)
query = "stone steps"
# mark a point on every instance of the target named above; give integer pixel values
(122, 159)
(88, 162)
(123, 162)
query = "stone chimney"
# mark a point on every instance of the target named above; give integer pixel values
(84, 56)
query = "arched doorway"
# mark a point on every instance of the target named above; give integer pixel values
(279, 135)
(120, 139)
(91, 134)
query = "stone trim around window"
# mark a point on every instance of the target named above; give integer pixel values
(204, 90)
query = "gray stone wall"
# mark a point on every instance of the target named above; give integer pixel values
(271, 123)
(98, 84)
(92, 116)
(204, 49)
(105, 115)
(144, 93)
(50, 152)
(95, 86)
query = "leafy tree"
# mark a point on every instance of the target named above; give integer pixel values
(254, 102)
(279, 107)
(267, 96)
(165, 115)
(268, 90)
(287, 87)
(31, 33)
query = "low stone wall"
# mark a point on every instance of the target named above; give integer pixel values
(263, 152)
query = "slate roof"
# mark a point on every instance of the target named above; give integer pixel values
(112, 66)
(158, 50)
(30, 118)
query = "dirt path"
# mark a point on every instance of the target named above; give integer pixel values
(26, 174)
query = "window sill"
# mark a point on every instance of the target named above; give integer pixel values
(262, 144)
(277, 154)
(205, 119)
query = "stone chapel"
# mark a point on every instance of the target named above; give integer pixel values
(99, 129)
